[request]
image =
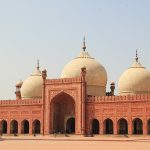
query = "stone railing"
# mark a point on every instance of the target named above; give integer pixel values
(64, 80)
(21, 102)
(140, 97)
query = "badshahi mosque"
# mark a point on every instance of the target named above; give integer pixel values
(78, 103)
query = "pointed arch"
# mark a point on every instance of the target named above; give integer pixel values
(62, 106)
(36, 127)
(137, 125)
(95, 126)
(25, 127)
(58, 94)
(122, 126)
(14, 127)
(108, 126)
(70, 125)
(61, 94)
(3, 126)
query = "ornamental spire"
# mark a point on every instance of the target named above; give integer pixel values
(84, 46)
(136, 58)
(38, 64)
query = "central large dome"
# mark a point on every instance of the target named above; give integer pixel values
(96, 76)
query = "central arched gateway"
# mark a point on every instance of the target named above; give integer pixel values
(62, 113)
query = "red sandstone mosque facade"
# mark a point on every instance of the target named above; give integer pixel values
(78, 102)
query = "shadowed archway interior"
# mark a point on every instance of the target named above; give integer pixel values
(3, 126)
(95, 126)
(122, 126)
(148, 126)
(62, 108)
(108, 126)
(36, 127)
(14, 127)
(70, 125)
(25, 126)
(137, 126)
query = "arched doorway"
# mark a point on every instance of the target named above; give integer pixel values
(14, 127)
(36, 127)
(3, 126)
(137, 126)
(122, 126)
(62, 106)
(95, 126)
(70, 125)
(148, 126)
(25, 126)
(108, 126)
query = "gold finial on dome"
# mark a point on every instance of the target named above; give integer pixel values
(136, 58)
(38, 64)
(84, 46)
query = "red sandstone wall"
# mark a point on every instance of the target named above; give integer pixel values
(55, 87)
(101, 108)
(117, 107)
(19, 110)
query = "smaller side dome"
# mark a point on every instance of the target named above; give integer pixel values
(135, 80)
(32, 86)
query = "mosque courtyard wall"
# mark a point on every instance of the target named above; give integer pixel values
(15, 115)
(117, 108)
(107, 111)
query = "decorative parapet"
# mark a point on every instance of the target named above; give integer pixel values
(21, 102)
(127, 98)
(63, 80)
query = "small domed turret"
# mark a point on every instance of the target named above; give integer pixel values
(19, 83)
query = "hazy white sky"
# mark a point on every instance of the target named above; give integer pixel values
(52, 30)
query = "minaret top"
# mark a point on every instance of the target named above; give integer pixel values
(84, 46)
(137, 58)
(38, 64)
(136, 63)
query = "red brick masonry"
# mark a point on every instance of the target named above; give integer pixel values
(65, 107)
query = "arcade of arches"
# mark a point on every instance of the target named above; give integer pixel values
(122, 126)
(25, 126)
(64, 120)
(68, 126)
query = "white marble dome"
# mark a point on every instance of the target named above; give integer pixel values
(135, 80)
(96, 76)
(32, 86)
